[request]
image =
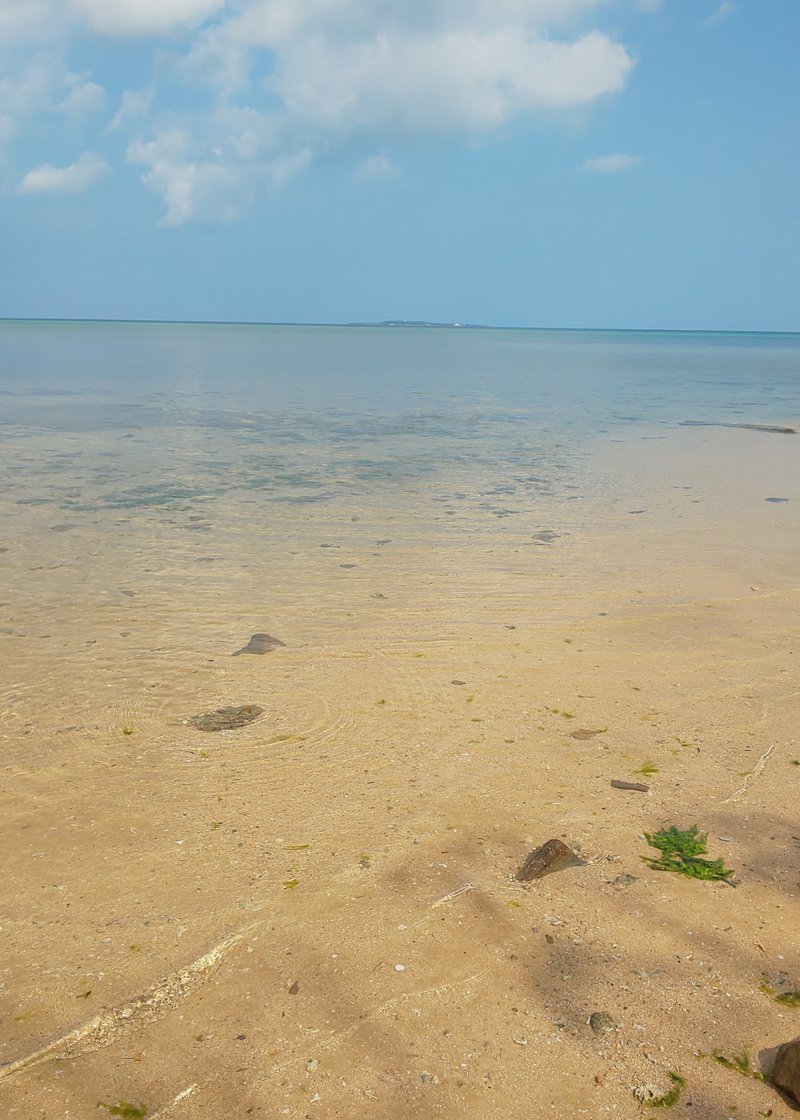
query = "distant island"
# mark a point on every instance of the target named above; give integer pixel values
(420, 323)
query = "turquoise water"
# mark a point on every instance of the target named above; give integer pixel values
(168, 419)
(110, 374)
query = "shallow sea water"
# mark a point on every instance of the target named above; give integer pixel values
(189, 484)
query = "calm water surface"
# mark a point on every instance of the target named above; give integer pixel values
(124, 415)
(168, 490)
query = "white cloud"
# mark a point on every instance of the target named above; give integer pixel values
(31, 21)
(420, 66)
(26, 92)
(198, 182)
(376, 169)
(83, 99)
(189, 187)
(77, 177)
(144, 18)
(135, 105)
(283, 82)
(610, 165)
(460, 81)
(726, 8)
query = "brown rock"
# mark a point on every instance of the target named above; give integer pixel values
(552, 856)
(786, 1071)
(226, 719)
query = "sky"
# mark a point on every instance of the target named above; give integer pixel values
(541, 163)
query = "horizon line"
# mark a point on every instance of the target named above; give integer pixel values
(398, 324)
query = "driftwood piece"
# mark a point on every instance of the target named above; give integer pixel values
(640, 787)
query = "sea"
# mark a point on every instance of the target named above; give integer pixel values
(169, 489)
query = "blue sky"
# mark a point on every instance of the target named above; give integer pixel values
(577, 163)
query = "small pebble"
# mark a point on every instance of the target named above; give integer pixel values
(399, 968)
(601, 1022)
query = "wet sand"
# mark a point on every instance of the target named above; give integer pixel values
(315, 915)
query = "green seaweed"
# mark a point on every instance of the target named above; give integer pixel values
(785, 999)
(681, 853)
(672, 1096)
(125, 1110)
(788, 999)
(648, 769)
(739, 1063)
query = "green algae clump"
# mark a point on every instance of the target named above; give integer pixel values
(682, 851)
(125, 1110)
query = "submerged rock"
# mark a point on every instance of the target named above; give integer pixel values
(226, 719)
(260, 643)
(551, 856)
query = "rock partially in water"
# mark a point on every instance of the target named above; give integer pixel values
(260, 643)
(226, 719)
(554, 855)
(786, 1071)
(776, 429)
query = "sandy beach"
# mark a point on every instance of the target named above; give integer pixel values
(316, 915)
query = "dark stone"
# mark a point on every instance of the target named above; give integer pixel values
(624, 880)
(639, 787)
(226, 719)
(552, 856)
(786, 1071)
(260, 643)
